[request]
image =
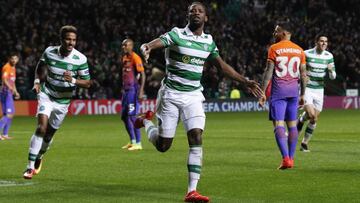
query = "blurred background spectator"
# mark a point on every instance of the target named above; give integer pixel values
(241, 28)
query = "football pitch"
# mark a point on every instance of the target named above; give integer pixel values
(86, 163)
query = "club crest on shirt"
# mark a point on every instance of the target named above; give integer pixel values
(69, 66)
(206, 46)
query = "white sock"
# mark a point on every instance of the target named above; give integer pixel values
(151, 131)
(309, 132)
(194, 166)
(35, 146)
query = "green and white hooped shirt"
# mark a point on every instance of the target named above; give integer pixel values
(316, 66)
(55, 86)
(185, 55)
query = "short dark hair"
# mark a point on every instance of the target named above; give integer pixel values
(285, 24)
(67, 28)
(13, 54)
(317, 37)
(198, 3)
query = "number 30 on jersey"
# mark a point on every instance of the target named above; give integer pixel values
(285, 66)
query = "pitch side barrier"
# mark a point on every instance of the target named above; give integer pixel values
(112, 106)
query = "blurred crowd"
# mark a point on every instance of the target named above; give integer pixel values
(242, 30)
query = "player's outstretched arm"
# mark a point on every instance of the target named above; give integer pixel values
(78, 82)
(147, 47)
(248, 85)
(266, 78)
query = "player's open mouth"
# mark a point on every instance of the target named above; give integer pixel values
(196, 18)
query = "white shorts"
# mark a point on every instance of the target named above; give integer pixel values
(173, 105)
(56, 112)
(314, 97)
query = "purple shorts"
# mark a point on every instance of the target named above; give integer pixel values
(7, 103)
(130, 103)
(284, 109)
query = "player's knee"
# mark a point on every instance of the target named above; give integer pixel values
(194, 136)
(163, 144)
(41, 130)
(314, 120)
(163, 147)
(10, 116)
(311, 117)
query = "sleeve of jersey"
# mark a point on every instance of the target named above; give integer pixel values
(303, 58)
(271, 54)
(43, 57)
(332, 74)
(214, 52)
(138, 64)
(4, 72)
(168, 38)
(83, 71)
(331, 62)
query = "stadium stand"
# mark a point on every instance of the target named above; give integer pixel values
(240, 28)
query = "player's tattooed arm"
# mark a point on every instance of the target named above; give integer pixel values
(267, 74)
(303, 79)
(269, 69)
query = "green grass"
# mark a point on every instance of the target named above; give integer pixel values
(86, 163)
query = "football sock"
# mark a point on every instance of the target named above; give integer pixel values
(309, 132)
(194, 166)
(302, 118)
(129, 125)
(151, 131)
(7, 126)
(136, 131)
(282, 140)
(292, 141)
(3, 121)
(35, 145)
